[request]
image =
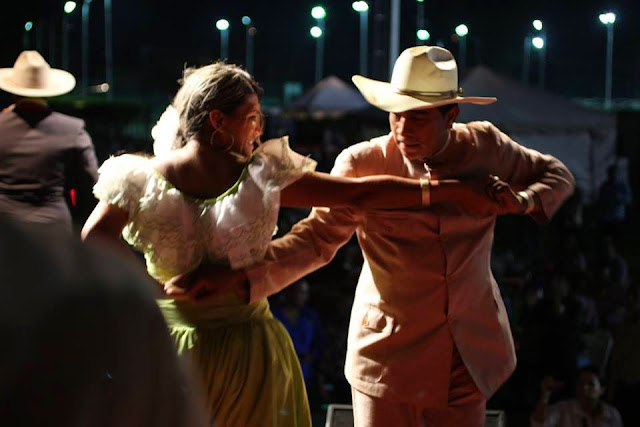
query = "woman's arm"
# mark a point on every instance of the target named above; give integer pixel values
(386, 192)
(104, 226)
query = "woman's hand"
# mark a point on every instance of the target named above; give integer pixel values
(207, 282)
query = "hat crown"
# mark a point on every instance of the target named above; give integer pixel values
(425, 69)
(31, 70)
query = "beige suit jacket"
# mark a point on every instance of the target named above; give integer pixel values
(426, 281)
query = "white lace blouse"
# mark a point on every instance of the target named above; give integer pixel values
(177, 232)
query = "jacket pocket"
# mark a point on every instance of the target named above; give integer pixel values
(372, 344)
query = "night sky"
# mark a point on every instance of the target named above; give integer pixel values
(154, 40)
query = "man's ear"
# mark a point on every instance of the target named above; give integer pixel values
(216, 119)
(452, 115)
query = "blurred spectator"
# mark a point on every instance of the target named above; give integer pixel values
(613, 280)
(585, 410)
(613, 199)
(47, 160)
(84, 344)
(304, 326)
(625, 361)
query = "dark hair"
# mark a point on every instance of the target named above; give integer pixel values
(444, 109)
(590, 369)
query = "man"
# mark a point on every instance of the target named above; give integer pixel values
(47, 160)
(429, 339)
(586, 409)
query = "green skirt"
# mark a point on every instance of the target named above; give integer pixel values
(244, 359)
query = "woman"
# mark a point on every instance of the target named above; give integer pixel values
(213, 200)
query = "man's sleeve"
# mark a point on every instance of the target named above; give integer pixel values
(311, 244)
(526, 169)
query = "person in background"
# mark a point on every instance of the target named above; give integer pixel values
(586, 410)
(47, 160)
(84, 344)
(429, 338)
(305, 328)
(613, 200)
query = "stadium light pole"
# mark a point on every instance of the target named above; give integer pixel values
(68, 8)
(317, 32)
(250, 34)
(362, 7)
(608, 19)
(85, 47)
(223, 26)
(462, 30)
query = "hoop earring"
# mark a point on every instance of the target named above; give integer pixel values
(212, 145)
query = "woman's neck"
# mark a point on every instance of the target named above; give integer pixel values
(202, 172)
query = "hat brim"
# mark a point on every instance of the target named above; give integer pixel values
(384, 96)
(60, 82)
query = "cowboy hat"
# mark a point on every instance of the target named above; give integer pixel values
(423, 77)
(31, 76)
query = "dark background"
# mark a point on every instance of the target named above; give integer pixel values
(154, 40)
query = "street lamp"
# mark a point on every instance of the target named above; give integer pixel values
(108, 50)
(420, 21)
(539, 43)
(423, 35)
(85, 47)
(251, 32)
(362, 7)
(25, 36)
(69, 7)
(528, 42)
(608, 19)
(317, 32)
(223, 26)
(462, 31)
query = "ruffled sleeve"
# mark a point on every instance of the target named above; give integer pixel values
(275, 165)
(122, 181)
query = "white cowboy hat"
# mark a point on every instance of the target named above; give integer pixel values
(31, 76)
(423, 77)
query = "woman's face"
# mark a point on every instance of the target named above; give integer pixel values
(245, 126)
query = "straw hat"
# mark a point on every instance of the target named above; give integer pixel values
(423, 77)
(31, 76)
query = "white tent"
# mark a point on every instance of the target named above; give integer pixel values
(584, 140)
(330, 97)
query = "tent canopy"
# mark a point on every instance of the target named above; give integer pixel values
(583, 140)
(330, 97)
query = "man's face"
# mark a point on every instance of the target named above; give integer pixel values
(588, 387)
(421, 133)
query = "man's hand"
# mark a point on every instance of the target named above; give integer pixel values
(502, 193)
(207, 282)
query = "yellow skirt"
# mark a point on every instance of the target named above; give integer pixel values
(244, 360)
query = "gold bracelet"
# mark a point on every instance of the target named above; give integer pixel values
(531, 204)
(425, 188)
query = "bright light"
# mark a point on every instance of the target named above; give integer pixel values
(462, 30)
(315, 32)
(423, 35)
(537, 24)
(360, 6)
(28, 26)
(420, 1)
(246, 20)
(69, 6)
(537, 42)
(222, 24)
(608, 18)
(318, 12)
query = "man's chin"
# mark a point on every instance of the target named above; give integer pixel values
(411, 152)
